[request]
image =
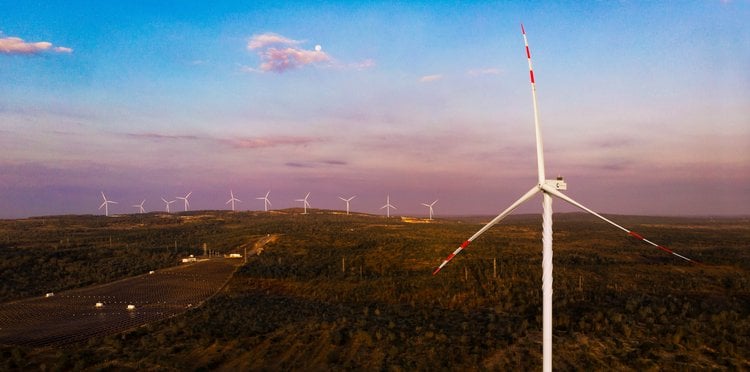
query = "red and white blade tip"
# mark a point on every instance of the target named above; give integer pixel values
(450, 256)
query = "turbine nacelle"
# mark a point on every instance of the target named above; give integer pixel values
(558, 183)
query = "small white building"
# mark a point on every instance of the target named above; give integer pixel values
(189, 259)
(131, 307)
(99, 305)
(50, 294)
(235, 255)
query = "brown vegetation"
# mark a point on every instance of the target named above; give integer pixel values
(617, 303)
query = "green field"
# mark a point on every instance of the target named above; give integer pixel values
(339, 292)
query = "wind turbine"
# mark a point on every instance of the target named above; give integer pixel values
(232, 199)
(548, 189)
(140, 206)
(305, 204)
(347, 203)
(185, 198)
(430, 206)
(266, 202)
(168, 203)
(388, 206)
(105, 204)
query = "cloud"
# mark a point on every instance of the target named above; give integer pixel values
(15, 45)
(484, 71)
(63, 50)
(298, 165)
(238, 143)
(264, 40)
(281, 60)
(162, 137)
(334, 162)
(363, 65)
(265, 142)
(430, 78)
(280, 54)
(314, 164)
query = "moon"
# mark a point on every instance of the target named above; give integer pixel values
(318, 48)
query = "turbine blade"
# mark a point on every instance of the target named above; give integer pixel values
(537, 128)
(494, 221)
(554, 192)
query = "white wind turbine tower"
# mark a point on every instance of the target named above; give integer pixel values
(167, 203)
(140, 206)
(305, 204)
(430, 206)
(105, 204)
(232, 199)
(185, 198)
(266, 202)
(388, 206)
(347, 203)
(548, 189)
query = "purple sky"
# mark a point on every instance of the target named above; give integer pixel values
(645, 108)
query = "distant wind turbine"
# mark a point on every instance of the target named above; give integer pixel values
(305, 204)
(548, 189)
(140, 206)
(105, 204)
(185, 198)
(347, 202)
(388, 206)
(167, 203)
(232, 199)
(430, 206)
(266, 202)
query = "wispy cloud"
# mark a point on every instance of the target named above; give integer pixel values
(268, 39)
(315, 164)
(334, 162)
(430, 78)
(239, 143)
(264, 142)
(15, 45)
(280, 54)
(298, 165)
(484, 71)
(162, 137)
(363, 65)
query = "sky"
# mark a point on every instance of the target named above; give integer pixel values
(644, 106)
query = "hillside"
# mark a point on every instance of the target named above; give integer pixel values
(341, 292)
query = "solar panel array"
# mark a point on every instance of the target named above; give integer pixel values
(72, 316)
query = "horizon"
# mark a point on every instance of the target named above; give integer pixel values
(643, 107)
(394, 216)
